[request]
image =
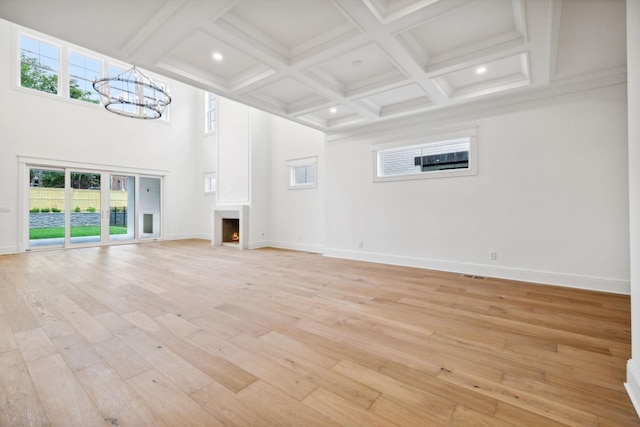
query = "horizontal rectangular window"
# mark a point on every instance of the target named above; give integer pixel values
(39, 68)
(447, 157)
(302, 173)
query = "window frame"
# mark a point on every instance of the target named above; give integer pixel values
(208, 111)
(302, 162)
(61, 86)
(73, 51)
(210, 183)
(64, 74)
(430, 141)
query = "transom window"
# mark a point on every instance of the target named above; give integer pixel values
(82, 72)
(39, 66)
(52, 66)
(437, 158)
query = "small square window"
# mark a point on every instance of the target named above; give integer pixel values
(302, 173)
(210, 183)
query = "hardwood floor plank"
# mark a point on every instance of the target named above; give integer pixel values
(427, 382)
(35, 344)
(169, 402)
(401, 414)
(524, 400)
(116, 400)
(77, 351)
(268, 407)
(63, 398)
(463, 417)
(20, 405)
(218, 368)
(84, 323)
(340, 385)
(342, 411)
(437, 406)
(125, 362)
(281, 378)
(177, 369)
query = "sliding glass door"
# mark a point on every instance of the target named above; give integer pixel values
(75, 207)
(85, 208)
(47, 225)
(122, 191)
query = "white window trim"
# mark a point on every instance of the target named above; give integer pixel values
(63, 70)
(17, 83)
(306, 161)
(469, 134)
(208, 188)
(207, 109)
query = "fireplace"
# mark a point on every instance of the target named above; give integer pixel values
(231, 226)
(230, 231)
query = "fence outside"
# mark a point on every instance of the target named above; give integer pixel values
(53, 198)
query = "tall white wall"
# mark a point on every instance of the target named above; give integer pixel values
(297, 216)
(38, 125)
(260, 214)
(550, 197)
(633, 83)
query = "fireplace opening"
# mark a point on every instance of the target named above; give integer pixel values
(230, 231)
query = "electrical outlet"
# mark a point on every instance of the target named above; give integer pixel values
(360, 244)
(493, 255)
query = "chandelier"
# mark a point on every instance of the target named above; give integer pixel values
(132, 94)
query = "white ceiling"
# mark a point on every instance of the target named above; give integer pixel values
(335, 64)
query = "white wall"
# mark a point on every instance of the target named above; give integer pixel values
(297, 216)
(550, 197)
(39, 125)
(633, 79)
(260, 213)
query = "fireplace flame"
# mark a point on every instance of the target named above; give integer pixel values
(235, 237)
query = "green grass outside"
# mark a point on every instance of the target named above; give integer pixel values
(57, 232)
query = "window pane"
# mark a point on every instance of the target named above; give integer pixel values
(82, 72)
(38, 65)
(211, 112)
(414, 160)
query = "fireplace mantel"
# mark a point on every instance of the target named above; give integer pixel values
(240, 212)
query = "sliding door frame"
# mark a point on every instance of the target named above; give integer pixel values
(26, 163)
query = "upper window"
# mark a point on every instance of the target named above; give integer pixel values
(52, 66)
(210, 119)
(39, 67)
(302, 173)
(446, 157)
(82, 73)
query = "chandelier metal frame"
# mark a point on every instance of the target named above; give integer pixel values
(132, 94)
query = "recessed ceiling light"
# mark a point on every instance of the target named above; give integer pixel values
(333, 110)
(481, 70)
(217, 56)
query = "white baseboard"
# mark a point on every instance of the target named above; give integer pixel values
(633, 384)
(618, 286)
(318, 249)
(186, 236)
(7, 250)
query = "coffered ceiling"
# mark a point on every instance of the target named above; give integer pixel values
(335, 64)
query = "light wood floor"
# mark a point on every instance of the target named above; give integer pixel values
(184, 334)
